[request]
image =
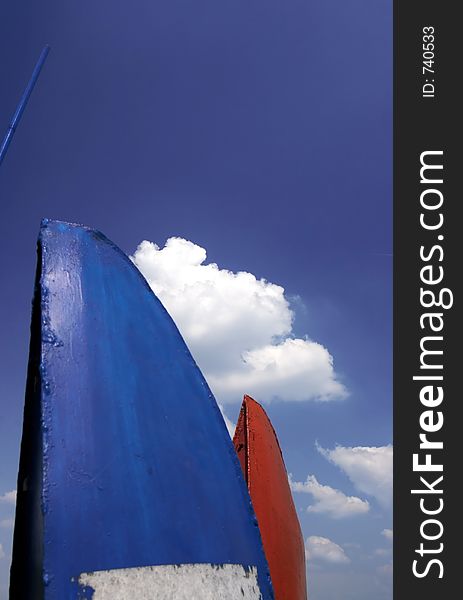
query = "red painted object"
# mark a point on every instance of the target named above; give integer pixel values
(262, 462)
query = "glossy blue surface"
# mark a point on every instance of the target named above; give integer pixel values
(138, 468)
(22, 103)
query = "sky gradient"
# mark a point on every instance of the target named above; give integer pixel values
(261, 132)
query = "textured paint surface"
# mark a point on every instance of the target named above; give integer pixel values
(174, 582)
(125, 460)
(261, 460)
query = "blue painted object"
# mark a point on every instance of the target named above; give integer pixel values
(22, 103)
(125, 458)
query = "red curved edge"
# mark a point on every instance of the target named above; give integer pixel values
(261, 460)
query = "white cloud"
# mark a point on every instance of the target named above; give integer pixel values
(324, 549)
(238, 327)
(328, 500)
(382, 552)
(388, 534)
(228, 422)
(294, 369)
(7, 523)
(9, 497)
(369, 469)
(385, 570)
(2, 552)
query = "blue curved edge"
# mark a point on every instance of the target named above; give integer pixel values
(125, 458)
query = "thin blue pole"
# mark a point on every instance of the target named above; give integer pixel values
(22, 103)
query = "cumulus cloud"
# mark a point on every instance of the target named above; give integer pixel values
(321, 548)
(385, 570)
(238, 327)
(7, 523)
(228, 422)
(328, 500)
(382, 552)
(388, 534)
(2, 552)
(369, 469)
(9, 497)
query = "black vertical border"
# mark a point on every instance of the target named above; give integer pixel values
(423, 124)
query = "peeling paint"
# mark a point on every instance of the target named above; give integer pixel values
(262, 462)
(120, 431)
(174, 582)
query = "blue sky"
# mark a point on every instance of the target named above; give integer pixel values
(261, 132)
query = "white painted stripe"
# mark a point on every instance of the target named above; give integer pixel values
(175, 582)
